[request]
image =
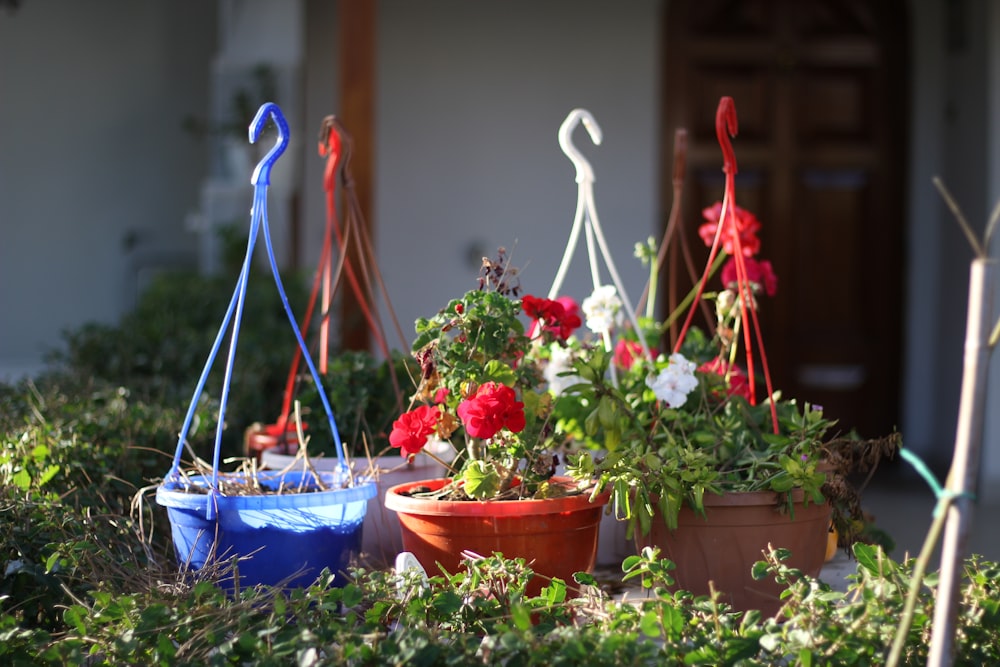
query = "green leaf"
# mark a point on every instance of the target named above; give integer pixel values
(650, 624)
(630, 563)
(447, 602)
(52, 562)
(22, 479)
(481, 480)
(867, 557)
(555, 592)
(74, 616)
(352, 595)
(521, 616)
(673, 620)
(48, 474)
(703, 655)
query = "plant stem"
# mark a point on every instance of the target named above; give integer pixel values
(916, 580)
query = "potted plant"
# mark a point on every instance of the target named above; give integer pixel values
(698, 456)
(482, 389)
(282, 527)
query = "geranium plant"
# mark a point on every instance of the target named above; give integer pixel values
(675, 426)
(482, 388)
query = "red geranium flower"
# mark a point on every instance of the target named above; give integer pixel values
(760, 273)
(410, 431)
(737, 385)
(559, 316)
(494, 407)
(627, 351)
(744, 221)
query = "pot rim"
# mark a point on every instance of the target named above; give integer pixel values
(168, 495)
(506, 508)
(748, 498)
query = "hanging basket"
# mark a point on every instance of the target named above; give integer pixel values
(278, 539)
(276, 528)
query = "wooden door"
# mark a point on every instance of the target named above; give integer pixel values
(820, 93)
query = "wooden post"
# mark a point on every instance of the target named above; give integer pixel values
(356, 27)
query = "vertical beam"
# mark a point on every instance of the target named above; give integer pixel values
(356, 27)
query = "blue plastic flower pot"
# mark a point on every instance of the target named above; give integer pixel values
(285, 538)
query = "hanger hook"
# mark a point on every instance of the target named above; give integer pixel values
(584, 172)
(331, 146)
(725, 127)
(262, 173)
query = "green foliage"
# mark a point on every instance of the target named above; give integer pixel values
(82, 584)
(363, 398)
(669, 457)
(71, 460)
(483, 615)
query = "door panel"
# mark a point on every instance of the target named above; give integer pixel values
(820, 164)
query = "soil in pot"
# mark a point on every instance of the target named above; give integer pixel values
(723, 545)
(557, 536)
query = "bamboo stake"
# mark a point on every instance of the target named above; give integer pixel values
(962, 482)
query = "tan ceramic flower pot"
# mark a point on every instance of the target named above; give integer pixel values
(723, 545)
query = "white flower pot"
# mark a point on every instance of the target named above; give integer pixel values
(612, 545)
(381, 539)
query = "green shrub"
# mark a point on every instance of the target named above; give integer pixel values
(361, 393)
(72, 459)
(483, 616)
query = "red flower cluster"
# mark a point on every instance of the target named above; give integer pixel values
(627, 351)
(759, 272)
(746, 226)
(738, 384)
(558, 316)
(494, 407)
(411, 430)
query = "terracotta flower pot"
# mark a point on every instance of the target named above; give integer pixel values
(723, 545)
(558, 536)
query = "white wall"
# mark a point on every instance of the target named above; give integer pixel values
(91, 155)
(990, 490)
(948, 125)
(470, 99)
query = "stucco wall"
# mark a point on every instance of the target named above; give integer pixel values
(470, 99)
(96, 175)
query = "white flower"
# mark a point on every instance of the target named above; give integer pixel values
(560, 361)
(673, 384)
(602, 308)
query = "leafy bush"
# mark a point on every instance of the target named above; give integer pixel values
(70, 465)
(84, 579)
(361, 393)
